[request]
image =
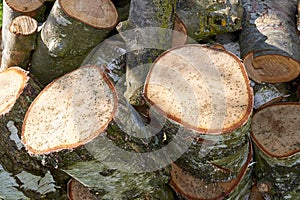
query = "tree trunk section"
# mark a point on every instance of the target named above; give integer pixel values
(204, 18)
(69, 34)
(16, 8)
(277, 168)
(269, 41)
(152, 21)
(20, 42)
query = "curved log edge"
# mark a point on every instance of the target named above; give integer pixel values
(72, 111)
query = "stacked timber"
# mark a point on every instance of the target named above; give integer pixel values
(275, 132)
(70, 32)
(29, 178)
(212, 100)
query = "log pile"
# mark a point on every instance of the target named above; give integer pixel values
(103, 99)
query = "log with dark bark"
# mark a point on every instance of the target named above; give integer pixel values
(152, 21)
(20, 42)
(70, 32)
(204, 18)
(190, 187)
(269, 41)
(210, 98)
(87, 107)
(16, 94)
(275, 132)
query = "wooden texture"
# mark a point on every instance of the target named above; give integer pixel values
(269, 41)
(24, 6)
(86, 103)
(20, 91)
(20, 42)
(204, 18)
(69, 34)
(275, 132)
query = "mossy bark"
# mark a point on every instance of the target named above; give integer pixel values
(204, 18)
(16, 160)
(151, 22)
(62, 45)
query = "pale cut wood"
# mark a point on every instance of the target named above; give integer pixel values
(191, 188)
(12, 83)
(69, 112)
(24, 6)
(193, 86)
(276, 129)
(96, 13)
(20, 42)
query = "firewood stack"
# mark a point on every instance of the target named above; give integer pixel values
(95, 104)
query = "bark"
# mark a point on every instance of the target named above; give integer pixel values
(269, 41)
(204, 18)
(9, 13)
(68, 35)
(216, 146)
(266, 94)
(277, 167)
(190, 187)
(16, 161)
(145, 43)
(20, 42)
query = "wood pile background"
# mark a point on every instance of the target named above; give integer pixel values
(223, 91)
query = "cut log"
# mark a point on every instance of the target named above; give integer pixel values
(180, 35)
(19, 8)
(70, 111)
(24, 6)
(20, 42)
(269, 41)
(275, 132)
(153, 22)
(211, 97)
(17, 91)
(71, 31)
(204, 18)
(189, 187)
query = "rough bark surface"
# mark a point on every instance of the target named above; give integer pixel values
(204, 18)
(144, 45)
(16, 160)
(66, 39)
(269, 41)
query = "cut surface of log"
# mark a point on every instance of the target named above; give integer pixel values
(24, 5)
(12, 82)
(276, 129)
(269, 41)
(69, 112)
(193, 79)
(96, 13)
